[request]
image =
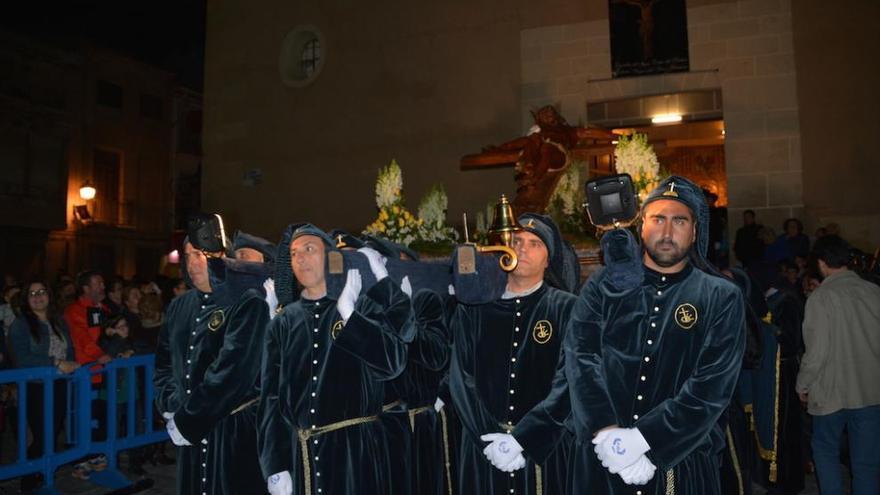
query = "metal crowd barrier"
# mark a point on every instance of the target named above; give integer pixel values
(80, 421)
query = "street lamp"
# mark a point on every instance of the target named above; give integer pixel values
(87, 191)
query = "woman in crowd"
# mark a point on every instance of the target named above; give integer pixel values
(37, 338)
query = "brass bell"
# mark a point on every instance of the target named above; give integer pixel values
(504, 224)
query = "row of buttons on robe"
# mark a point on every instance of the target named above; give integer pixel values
(516, 329)
(314, 394)
(204, 452)
(646, 359)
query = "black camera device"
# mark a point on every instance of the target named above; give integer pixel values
(611, 201)
(206, 233)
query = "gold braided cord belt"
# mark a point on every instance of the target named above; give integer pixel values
(415, 412)
(307, 433)
(445, 424)
(244, 406)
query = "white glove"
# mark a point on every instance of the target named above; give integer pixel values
(280, 483)
(504, 451)
(451, 290)
(639, 473)
(405, 286)
(517, 463)
(167, 415)
(174, 433)
(620, 447)
(271, 298)
(377, 262)
(345, 304)
(438, 404)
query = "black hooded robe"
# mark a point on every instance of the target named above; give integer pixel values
(418, 387)
(207, 370)
(504, 360)
(317, 372)
(663, 357)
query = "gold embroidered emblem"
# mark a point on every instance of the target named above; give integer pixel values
(671, 191)
(542, 332)
(215, 320)
(686, 315)
(337, 327)
(531, 223)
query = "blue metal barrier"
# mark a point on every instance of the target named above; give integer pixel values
(80, 419)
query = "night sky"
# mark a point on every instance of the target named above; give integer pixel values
(166, 33)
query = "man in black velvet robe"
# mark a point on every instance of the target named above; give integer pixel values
(651, 366)
(504, 359)
(326, 359)
(412, 426)
(207, 368)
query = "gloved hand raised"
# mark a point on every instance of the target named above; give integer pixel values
(504, 452)
(280, 483)
(377, 262)
(345, 304)
(618, 448)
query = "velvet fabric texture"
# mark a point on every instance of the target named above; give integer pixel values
(622, 255)
(416, 443)
(663, 357)
(504, 360)
(207, 368)
(317, 372)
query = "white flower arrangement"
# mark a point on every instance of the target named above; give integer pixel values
(432, 215)
(565, 203)
(389, 185)
(395, 222)
(568, 190)
(634, 156)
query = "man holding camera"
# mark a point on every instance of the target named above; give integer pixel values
(207, 369)
(652, 356)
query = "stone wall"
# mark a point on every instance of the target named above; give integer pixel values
(742, 47)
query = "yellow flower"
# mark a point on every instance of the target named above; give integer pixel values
(381, 228)
(383, 215)
(400, 222)
(396, 209)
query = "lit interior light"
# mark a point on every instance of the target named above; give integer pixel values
(666, 118)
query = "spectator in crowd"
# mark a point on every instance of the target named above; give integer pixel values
(838, 374)
(65, 292)
(84, 317)
(793, 234)
(775, 248)
(747, 246)
(147, 337)
(131, 309)
(39, 337)
(113, 301)
(115, 339)
(7, 306)
(810, 282)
